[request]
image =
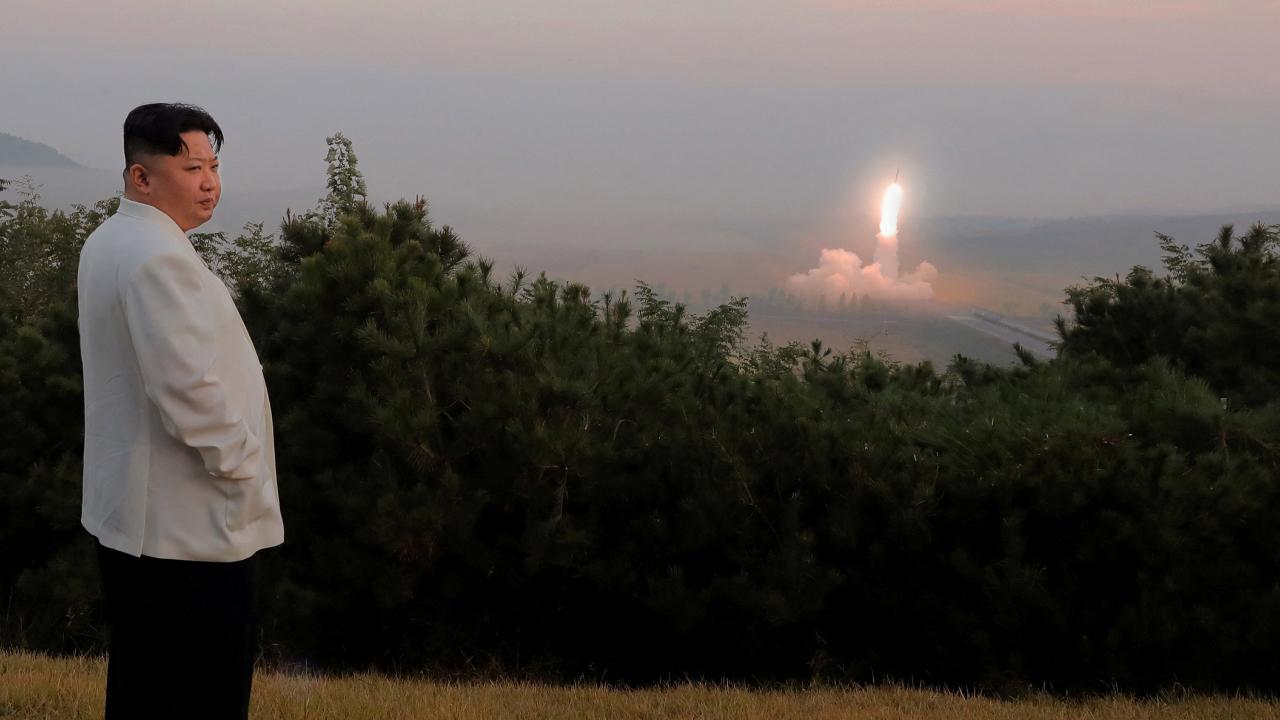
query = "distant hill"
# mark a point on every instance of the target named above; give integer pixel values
(17, 152)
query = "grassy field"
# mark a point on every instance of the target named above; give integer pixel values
(33, 686)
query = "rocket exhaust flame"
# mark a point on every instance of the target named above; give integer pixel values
(889, 210)
(841, 272)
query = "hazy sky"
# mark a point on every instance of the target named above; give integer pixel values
(702, 114)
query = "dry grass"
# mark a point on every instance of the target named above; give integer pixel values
(33, 686)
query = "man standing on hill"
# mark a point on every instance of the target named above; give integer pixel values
(179, 464)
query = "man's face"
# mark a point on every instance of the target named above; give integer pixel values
(185, 186)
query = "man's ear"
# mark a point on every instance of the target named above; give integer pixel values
(136, 177)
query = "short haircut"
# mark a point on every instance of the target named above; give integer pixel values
(156, 129)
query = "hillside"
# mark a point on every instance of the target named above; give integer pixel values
(18, 152)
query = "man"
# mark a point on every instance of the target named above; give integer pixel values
(179, 463)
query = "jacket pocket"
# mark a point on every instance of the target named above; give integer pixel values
(248, 501)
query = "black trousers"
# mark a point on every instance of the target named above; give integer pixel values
(183, 637)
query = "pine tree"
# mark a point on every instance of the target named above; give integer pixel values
(40, 250)
(1209, 315)
(347, 190)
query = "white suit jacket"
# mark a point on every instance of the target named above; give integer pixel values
(179, 460)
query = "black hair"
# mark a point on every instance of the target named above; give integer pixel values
(156, 129)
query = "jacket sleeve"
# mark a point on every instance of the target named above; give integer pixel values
(171, 324)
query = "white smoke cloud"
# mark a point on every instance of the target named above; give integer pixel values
(842, 272)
